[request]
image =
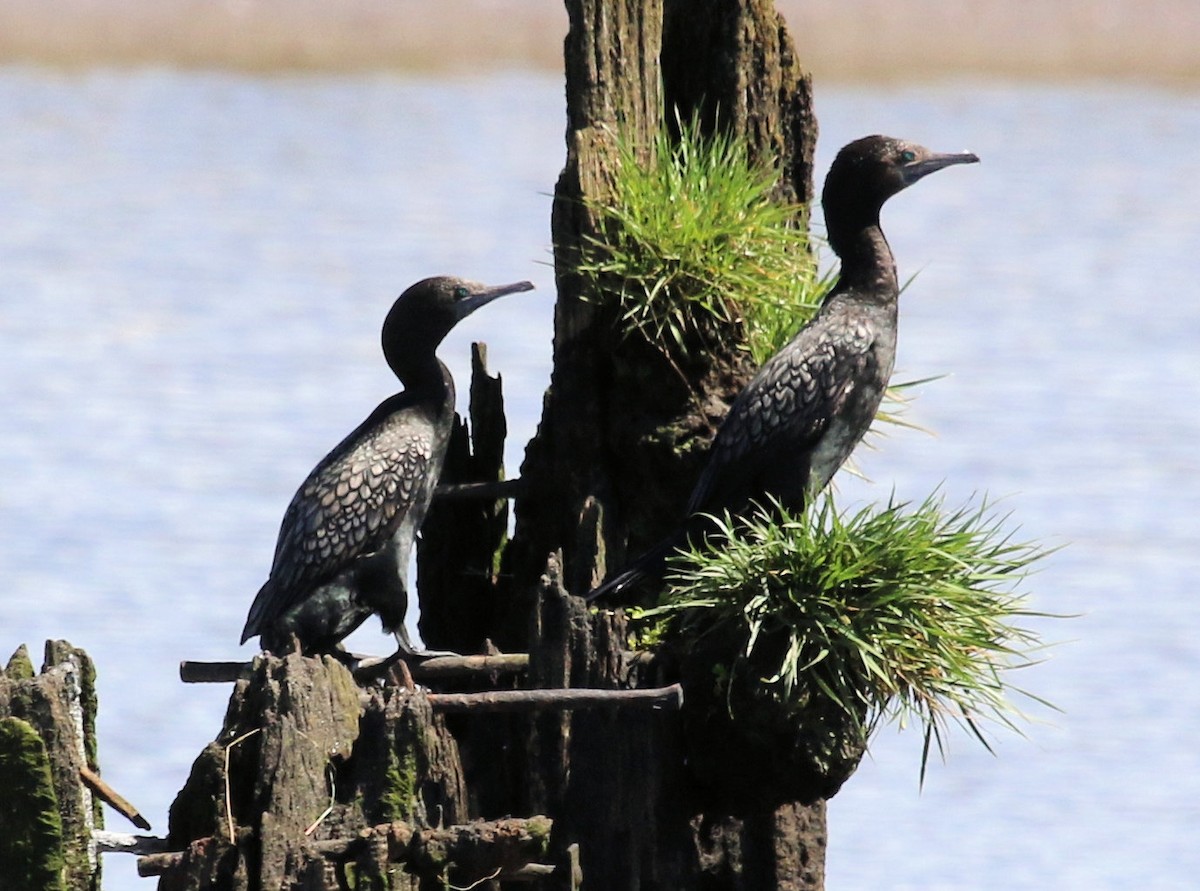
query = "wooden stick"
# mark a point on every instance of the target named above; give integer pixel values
(443, 667)
(491, 490)
(158, 864)
(191, 672)
(126, 843)
(436, 668)
(108, 794)
(558, 700)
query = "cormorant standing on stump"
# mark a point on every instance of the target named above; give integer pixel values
(344, 544)
(805, 410)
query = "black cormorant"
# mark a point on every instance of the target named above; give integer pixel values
(343, 547)
(805, 410)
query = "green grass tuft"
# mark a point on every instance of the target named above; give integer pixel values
(693, 246)
(897, 613)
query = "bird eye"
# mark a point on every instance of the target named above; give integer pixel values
(460, 293)
(908, 156)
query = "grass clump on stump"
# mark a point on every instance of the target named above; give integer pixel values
(799, 635)
(696, 251)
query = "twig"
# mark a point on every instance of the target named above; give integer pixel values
(228, 791)
(496, 489)
(558, 700)
(108, 794)
(329, 775)
(476, 883)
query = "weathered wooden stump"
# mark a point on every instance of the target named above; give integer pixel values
(316, 783)
(47, 737)
(307, 758)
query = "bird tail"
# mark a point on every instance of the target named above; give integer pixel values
(647, 569)
(258, 613)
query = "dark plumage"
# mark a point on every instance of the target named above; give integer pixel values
(806, 409)
(343, 547)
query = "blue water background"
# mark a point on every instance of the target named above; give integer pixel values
(194, 267)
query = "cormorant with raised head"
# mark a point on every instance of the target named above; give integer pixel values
(343, 548)
(806, 409)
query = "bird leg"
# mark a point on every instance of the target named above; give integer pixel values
(405, 649)
(368, 669)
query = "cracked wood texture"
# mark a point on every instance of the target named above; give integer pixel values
(623, 434)
(47, 733)
(306, 757)
(621, 442)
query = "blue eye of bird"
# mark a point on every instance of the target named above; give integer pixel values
(908, 156)
(460, 293)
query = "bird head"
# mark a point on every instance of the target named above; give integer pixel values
(869, 171)
(424, 314)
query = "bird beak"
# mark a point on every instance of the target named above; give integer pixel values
(933, 162)
(483, 294)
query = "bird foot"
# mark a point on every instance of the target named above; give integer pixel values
(368, 669)
(409, 653)
(423, 655)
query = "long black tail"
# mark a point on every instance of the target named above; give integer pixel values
(648, 569)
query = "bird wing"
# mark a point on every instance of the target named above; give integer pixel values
(349, 506)
(765, 444)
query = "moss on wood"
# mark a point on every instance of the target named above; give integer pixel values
(19, 667)
(31, 832)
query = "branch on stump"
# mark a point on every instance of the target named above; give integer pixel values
(485, 848)
(126, 843)
(490, 491)
(111, 797)
(438, 668)
(670, 698)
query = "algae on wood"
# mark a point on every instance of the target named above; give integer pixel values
(50, 721)
(31, 838)
(311, 758)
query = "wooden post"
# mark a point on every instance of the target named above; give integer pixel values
(620, 444)
(47, 737)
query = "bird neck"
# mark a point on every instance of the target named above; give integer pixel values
(422, 374)
(867, 266)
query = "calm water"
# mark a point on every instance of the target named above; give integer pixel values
(193, 269)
